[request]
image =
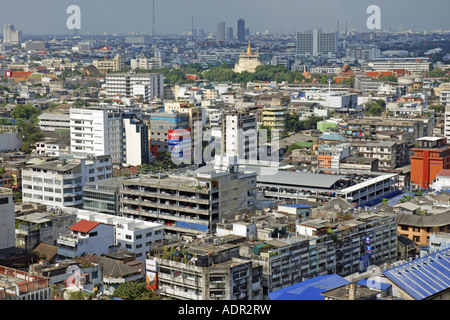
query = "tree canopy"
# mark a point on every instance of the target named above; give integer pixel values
(25, 112)
(135, 290)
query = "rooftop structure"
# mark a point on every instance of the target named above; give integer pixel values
(20, 285)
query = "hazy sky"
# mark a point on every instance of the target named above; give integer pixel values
(174, 16)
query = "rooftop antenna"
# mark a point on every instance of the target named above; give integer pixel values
(192, 28)
(153, 20)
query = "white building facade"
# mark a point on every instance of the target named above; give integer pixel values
(60, 183)
(96, 132)
(147, 86)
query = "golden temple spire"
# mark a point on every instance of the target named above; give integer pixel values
(249, 49)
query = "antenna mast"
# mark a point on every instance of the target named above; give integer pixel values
(153, 21)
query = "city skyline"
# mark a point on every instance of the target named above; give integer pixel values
(285, 16)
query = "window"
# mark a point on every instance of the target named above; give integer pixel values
(148, 234)
(128, 237)
(138, 236)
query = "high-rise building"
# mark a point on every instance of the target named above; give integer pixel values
(122, 134)
(97, 132)
(135, 140)
(241, 30)
(238, 135)
(11, 35)
(230, 34)
(220, 34)
(315, 42)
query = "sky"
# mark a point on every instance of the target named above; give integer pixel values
(175, 16)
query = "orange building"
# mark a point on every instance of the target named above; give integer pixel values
(430, 156)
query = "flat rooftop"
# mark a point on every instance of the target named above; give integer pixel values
(300, 179)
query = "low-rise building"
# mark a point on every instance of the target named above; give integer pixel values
(41, 227)
(132, 235)
(86, 237)
(20, 285)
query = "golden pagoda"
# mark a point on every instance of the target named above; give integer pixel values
(248, 61)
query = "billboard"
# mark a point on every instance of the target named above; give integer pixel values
(180, 144)
(151, 274)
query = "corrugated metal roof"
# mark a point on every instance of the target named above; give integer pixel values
(300, 179)
(310, 289)
(424, 277)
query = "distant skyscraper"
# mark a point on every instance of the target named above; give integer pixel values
(220, 35)
(12, 36)
(315, 42)
(241, 30)
(230, 35)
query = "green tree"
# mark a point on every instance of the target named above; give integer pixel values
(135, 290)
(292, 123)
(30, 133)
(25, 112)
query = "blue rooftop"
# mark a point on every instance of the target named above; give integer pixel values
(310, 289)
(300, 206)
(424, 277)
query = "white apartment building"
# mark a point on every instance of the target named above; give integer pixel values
(238, 136)
(146, 63)
(131, 235)
(96, 132)
(7, 219)
(59, 183)
(444, 97)
(135, 140)
(146, 86)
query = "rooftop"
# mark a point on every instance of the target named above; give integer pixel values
(422, 278)
(299, 179)
(310, 289)
(84, 226)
